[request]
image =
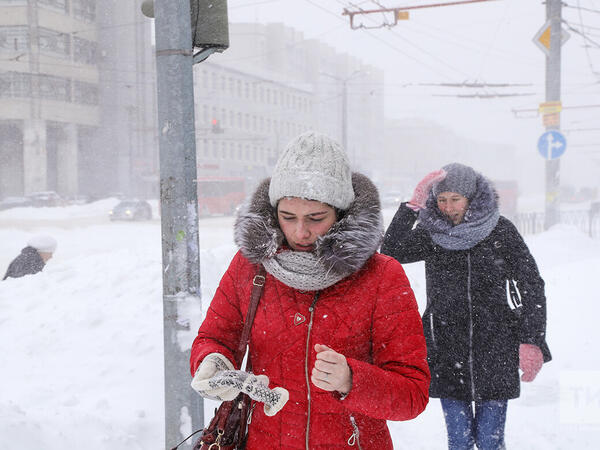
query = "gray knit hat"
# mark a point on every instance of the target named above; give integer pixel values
(313, 166)
(460, 178)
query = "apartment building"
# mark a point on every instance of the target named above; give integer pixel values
(48, 93)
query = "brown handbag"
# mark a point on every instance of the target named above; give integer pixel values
(228, 428)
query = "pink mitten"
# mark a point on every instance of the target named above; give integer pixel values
(530, 361)
(419, 197)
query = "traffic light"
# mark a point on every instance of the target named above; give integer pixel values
(215, 126)
(210, 25)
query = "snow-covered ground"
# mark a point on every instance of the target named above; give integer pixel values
(81, 363)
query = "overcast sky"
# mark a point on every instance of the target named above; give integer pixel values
(487, 42)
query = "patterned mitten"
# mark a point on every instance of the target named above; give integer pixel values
(421, 193)
(257, 388)
(211, 365)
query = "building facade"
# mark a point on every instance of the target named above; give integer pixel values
(77, 109)
(271, 85)
(48, 93)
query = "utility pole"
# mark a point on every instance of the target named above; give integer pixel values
(179, 208)
(344, 81)
(553, 66)
(345, 119)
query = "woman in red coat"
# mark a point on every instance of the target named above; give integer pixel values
(337, 336)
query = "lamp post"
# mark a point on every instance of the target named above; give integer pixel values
(344, 81)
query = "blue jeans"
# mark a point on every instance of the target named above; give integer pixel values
(484, 427)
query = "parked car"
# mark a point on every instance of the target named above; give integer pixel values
(132, 209)
(14, 202)
(45, 198)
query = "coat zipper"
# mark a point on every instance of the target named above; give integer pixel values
(470, 324)
(311, 309)
(355, 438)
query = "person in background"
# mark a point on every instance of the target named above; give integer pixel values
(337, 342)
(33, 258)
(486, 309)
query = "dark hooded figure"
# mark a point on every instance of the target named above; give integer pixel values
(337, 345)
(486, 308)
(33, 258)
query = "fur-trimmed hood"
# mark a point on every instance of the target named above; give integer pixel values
(345, 248)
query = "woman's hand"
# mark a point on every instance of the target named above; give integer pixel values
(421, 192)
(331, 371)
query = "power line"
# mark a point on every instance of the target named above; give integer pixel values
(581, 8)
(587, 51)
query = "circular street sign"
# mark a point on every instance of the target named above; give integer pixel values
(552, 144)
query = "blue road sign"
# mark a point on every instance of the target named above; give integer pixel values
(552, 144)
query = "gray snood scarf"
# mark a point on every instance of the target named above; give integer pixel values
(480, 219)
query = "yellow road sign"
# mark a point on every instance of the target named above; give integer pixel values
(542, 37)
(550, 107)
(401, 15)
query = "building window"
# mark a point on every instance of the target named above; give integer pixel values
(84, 51)
(57, 5)
(15, 84)
(51, 41)
(205, 147)
(55, 88)
(84, 10)
(204, 79)
(85, 93)
(14, 38)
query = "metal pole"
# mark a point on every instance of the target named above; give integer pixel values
(179, 207)
(345, 119)
(554, 14)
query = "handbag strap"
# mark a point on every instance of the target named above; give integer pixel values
(258, 283)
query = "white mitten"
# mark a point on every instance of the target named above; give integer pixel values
(257, 388)
(211, 365)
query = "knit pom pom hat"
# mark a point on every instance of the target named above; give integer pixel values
(460, 179)
(314, 167)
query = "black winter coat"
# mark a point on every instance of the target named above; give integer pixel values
(28, 262)
(472, 334)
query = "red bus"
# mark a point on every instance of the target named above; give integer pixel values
(219, 195)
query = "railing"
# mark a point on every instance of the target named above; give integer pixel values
(587, 221)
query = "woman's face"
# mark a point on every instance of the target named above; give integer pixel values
(453, 206)
(303, 221)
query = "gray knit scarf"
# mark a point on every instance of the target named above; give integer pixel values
(342, 251)
(301, 270)
(480, 219)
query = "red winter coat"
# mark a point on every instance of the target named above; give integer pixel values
(371, 317)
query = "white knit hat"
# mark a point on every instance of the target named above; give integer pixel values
(313, 166)
(42, 243)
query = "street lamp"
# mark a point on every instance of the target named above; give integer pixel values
(344, 81)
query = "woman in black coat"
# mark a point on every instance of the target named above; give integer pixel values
(486, 309)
